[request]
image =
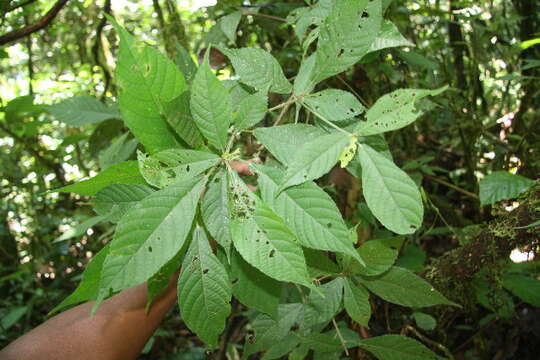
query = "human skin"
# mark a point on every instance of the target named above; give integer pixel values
(118, 330)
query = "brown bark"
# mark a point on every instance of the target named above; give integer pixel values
(32, 28)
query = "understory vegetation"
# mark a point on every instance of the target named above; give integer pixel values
(391, 209)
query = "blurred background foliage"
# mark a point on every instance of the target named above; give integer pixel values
(487, 51)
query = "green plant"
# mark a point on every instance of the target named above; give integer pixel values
(272, 244)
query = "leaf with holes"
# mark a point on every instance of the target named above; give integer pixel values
(502, 185)
(308, 211)
(258, 69)
(346, 36)
(82, 110)
(126, 172)
(314, 159)
(334, 104)
(389, 37)
(402, 287)
(210, 106)
(147, 80)
(284, 140)
(204, 290)
(397, 347)
(394, 111)
(254, 289)
(216, 212)
(267, 244)
(149, 235)
(170, 166)
(390, 193)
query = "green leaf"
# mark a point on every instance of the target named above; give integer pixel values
(397, 347)
(258, 69)
(356, 301)
(334, 104)
(89, 285)
(11, 316)
(378, 257)
(210, 106)
(120, 150)
(229, 24)
(389, 37)
(390, 193)
(115, 200)
(502, 185)
(149, 235)
(126, 172)
(282, 348)
(178, 115)
(323, 303)
(79, 229)
(414, 58)
(147, 80)
(412, 258)
(346, 36)
(254, 289)
(269, 331)
(394, 111)
(303, 83)
(82, 110)
(323, 343)
(524, 287)
(266, 243)
(319, 264)
(216, 213)
(204, 290)
(251, 110)
(308, 211)
(314, 159)
(425, 321)
(305, 17)
(170, 166)
(160, 280)
(402, 287)
(185, 62)
(283, 141)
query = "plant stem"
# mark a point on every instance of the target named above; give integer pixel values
(328, 121)
(340, 337)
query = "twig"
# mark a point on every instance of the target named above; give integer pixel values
(282, 113)
(32, 28)
(439, 346)
(327, 121)
(340, 337)
(20, 5)
(452, 186)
